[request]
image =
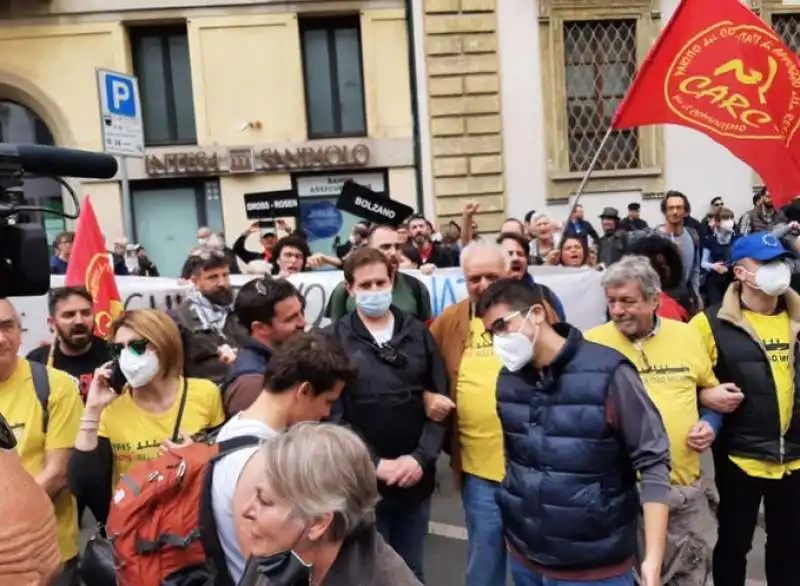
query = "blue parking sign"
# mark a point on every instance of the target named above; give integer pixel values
(120, 114)
(120, 95)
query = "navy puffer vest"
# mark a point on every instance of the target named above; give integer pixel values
(569, 498)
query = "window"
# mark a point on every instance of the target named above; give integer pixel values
(788, 28)
(600, 64)
(161, 62)
(333, 77)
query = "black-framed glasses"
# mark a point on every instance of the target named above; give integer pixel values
(8, 441)
(137, 346)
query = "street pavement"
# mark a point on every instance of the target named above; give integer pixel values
(446, 548)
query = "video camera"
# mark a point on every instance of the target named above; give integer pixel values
(24, 253)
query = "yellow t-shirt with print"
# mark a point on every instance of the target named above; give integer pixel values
(480, 432)
(23, 411)
(774, 332)
(135, 434)
(672, 364)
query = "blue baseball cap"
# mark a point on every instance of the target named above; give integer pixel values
(761, 247)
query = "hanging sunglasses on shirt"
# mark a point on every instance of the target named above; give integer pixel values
(8, 441)
(138, 347)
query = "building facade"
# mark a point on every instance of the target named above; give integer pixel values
(519, 94)
(237, 97)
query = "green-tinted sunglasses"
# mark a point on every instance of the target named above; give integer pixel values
(137, 347)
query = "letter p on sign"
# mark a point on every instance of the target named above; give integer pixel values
(120, 95)
(120, 92)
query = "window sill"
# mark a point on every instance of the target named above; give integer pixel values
(566, 176)
(337, 136)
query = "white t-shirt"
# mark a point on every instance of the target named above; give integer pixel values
(223, 487)
(383, 335)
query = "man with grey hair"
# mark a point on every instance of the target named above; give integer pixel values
(477, 439)
(671, 361)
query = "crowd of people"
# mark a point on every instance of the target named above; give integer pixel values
(194, 436)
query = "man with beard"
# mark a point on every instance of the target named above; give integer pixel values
(210, 331)
(431, 252)
(614, 241)
(75, 350)
(762, 218)
(518, 250)
(272, 312)
(408, 293)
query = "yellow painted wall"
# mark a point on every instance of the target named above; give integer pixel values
(245, 67)
(53, 68)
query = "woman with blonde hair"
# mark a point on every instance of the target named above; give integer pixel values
(137, 404)
(312, 518)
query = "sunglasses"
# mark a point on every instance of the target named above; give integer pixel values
(138, 347)
(8, 441)
(500, 325)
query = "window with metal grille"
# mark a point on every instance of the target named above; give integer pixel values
(333, 77)
(161, 62)
(600, 64)
(788, 28)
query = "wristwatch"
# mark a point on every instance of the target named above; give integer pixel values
(8, 441)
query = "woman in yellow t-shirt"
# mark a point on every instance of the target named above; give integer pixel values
(152, 407)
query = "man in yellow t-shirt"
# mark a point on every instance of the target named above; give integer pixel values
(477, 443)
(751, 338)
(45, 438)
(671, 361)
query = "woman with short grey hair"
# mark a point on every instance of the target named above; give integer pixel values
(312, 517)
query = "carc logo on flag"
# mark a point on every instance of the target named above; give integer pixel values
(730, 97)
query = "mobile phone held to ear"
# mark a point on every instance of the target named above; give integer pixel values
(117, 380)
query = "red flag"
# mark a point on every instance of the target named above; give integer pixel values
(720, 69)
(90, 266)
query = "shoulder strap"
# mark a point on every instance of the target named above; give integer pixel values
(41, 383)
(176, 433)
(209, 538)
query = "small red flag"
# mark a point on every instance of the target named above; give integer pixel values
(89, 266)
(720, 69)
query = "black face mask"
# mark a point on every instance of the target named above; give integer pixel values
(279, 569)
(221, 296)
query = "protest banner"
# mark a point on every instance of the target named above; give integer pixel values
(578, 289)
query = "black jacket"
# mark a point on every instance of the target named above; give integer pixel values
(385, 403)
(753, 430)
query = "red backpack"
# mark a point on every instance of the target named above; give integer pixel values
(161, 523)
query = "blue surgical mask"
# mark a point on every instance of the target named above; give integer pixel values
(374, 303)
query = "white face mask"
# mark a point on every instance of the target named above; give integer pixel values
(726, 225)
(773, 278)
(139, 369)
(514, 349)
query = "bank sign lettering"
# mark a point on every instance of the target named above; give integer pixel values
(120, 114)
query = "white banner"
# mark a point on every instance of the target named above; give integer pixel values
(578, 289)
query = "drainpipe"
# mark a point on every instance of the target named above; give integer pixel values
(413, 87)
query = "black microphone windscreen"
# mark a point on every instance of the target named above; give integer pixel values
(60, 162)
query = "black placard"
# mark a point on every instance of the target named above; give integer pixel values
(373, 207)
(272, 204)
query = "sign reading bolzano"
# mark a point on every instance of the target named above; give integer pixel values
(248, 160)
